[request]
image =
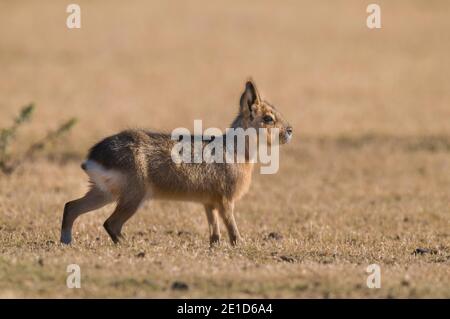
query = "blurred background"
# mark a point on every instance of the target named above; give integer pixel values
(161, 64)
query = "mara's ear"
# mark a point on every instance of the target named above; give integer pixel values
(249, 98)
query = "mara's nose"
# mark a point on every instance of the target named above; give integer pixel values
(289, 130)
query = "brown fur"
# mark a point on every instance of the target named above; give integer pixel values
(143, 168)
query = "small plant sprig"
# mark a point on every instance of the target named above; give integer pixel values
(7, 135)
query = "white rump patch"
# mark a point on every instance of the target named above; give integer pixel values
(108, 180)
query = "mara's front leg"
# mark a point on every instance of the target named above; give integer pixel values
(213, 223)
(226, 212)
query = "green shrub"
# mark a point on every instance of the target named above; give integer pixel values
(9, 163)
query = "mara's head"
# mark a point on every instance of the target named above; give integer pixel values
(257, 113)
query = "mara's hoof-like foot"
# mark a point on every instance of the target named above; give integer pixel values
(116, 237)
(66, 237)
(236, 240)
(214, 240)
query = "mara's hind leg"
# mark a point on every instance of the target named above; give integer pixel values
(127, 205)
(226, 212)
(213, 223)
(93, 199)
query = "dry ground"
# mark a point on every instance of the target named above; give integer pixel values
(366, 179)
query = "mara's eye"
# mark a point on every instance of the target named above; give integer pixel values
(268, 119)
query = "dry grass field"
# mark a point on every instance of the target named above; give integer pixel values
(365, 180)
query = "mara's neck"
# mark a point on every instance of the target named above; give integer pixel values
(249, 152)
